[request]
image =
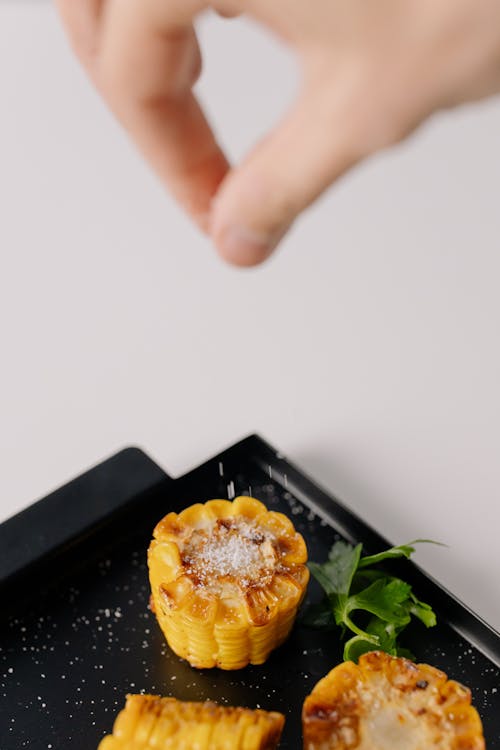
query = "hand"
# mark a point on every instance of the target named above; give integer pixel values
(372, 71)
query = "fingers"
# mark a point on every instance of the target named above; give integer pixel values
(144, 58)
(81, 20)
(259, 200)
(148, 65)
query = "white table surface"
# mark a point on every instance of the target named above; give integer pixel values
(367, 350)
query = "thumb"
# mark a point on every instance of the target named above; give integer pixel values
(259, 200)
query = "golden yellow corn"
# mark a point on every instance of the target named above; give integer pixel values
(227, 579)
(390, 703)
(151, 723)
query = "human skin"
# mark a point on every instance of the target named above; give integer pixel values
(372, 71)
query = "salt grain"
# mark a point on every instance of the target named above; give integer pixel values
(239, 550)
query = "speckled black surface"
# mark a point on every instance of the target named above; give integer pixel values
(67, 661)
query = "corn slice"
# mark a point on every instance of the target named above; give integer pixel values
(149, 722)
(390, 703)
(227, 579)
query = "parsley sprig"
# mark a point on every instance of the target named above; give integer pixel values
(354, 585)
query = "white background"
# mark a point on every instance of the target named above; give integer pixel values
(367, 350)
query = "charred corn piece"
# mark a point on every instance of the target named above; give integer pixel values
(227, 579)
(390, 703)
(151, 723)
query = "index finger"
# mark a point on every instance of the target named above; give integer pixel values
(148, 62)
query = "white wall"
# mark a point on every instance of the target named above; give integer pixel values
(367, 350)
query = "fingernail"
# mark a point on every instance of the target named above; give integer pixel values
(245, 247)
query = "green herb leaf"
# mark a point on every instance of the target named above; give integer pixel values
(423, 611)
(352, 585)
(321, 574)
(343, 561)
(403, 550)
(319, 616)
(386, 632)
(383, 600)
(357, 646)
(336, 575)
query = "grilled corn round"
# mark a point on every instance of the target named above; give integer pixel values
(149, 722)
(227, 579)
(389, 703)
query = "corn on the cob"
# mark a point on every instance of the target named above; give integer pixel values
(227, 579)
(389, 703)
(151, 723)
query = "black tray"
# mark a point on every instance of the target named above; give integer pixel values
(76, 633)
